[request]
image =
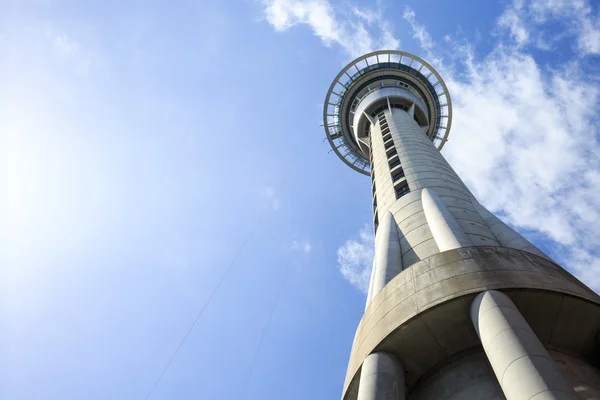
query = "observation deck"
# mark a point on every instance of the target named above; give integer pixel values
(386, 78)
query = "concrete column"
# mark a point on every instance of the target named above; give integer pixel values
(522, 365)
(388, 256)
(411, 111)
(381, 378)
(504, 234)
(446, 231)
(371, 281)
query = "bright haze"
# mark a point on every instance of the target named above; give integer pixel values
(144, 144)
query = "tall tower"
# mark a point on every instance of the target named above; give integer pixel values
(460, 306)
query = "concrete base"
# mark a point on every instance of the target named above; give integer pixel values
(581, 376)
(471, 377)
(468, 378)
(422, 315)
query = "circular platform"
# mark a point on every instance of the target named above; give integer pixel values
(383, 70)
(422, 315)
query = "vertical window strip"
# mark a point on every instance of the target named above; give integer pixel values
(393, 162)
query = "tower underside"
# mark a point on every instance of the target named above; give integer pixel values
(460, 306)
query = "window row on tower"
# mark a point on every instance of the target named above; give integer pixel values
(374, 192)
(396, 170)
(398, 178)
(375, 217)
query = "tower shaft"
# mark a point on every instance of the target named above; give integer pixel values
(460, 306)
(434, 245)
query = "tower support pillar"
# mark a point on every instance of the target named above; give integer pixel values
(446, 231)
(381, 378)
(521, 363)
(388, 256)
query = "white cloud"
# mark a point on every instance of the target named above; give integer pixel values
(64, 45)
(355, 259)
(512, 20)
(368, 15)
(418, 30)
(576, 17)
(301, 246)
(69, 49)
(272, 196)
(332, 28)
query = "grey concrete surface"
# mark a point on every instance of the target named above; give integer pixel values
(469, 377)
(422, 315)
(582, 377)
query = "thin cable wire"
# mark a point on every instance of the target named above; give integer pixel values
(262, 337)
(264, 212)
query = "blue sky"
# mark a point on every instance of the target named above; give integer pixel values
(142, 141)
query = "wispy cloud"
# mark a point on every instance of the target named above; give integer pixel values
(272, 197)
(355, 258)
(350, 32)
(512, 19)
(67, 48)
(527, 21)
(64, 45)
(302, 246)
(419, 32)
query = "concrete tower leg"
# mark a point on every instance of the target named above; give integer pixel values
(388, 256)
(446, 231)
(371, 282)
(381, 378)
(522, 365)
